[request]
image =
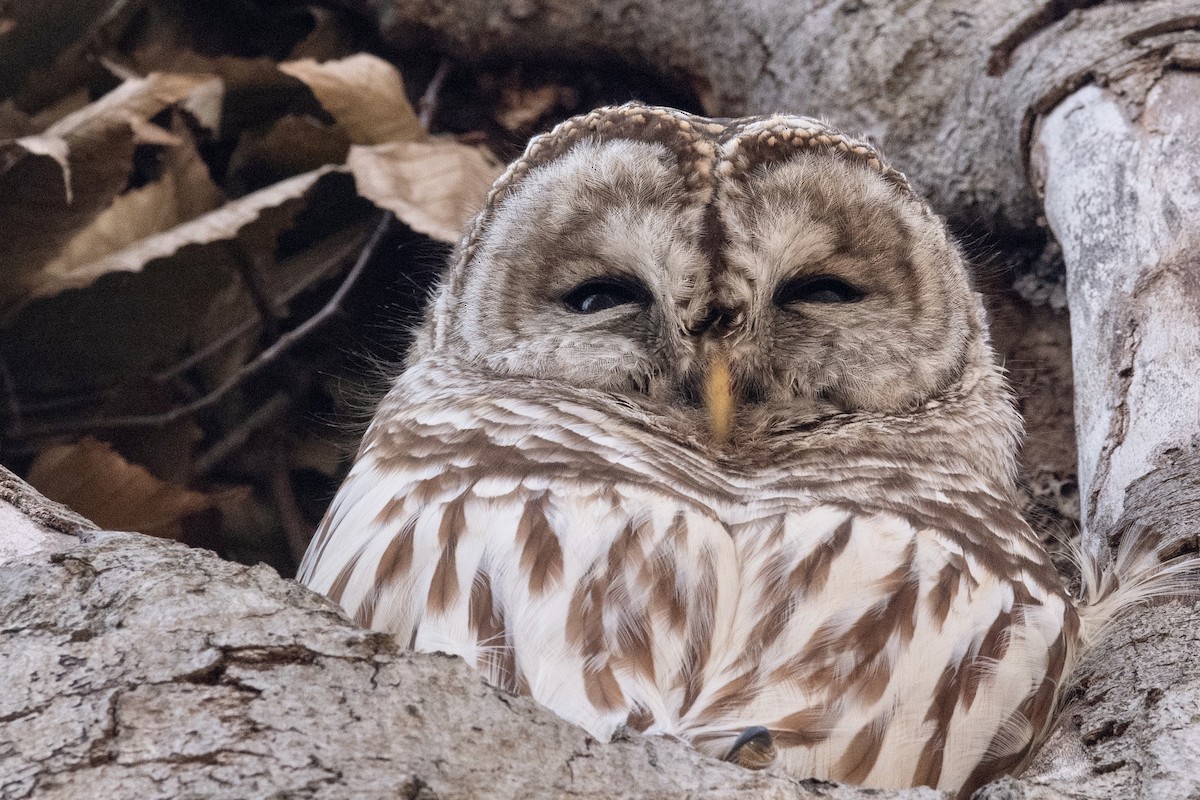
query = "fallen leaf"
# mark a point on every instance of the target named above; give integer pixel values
(54, 184)
(434, 187)
(156, 300)
(140, 98)
(97, 482)
(184, 192)
(521, 108)
(221, 223)
(293, 145)
(364, 94)
(250, 92)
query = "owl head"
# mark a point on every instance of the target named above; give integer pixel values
(630, 250)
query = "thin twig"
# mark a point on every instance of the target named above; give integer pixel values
(268, 356)
(295, 527)
(248, 324)
(10, 398)
(259, 418)
(427, 105)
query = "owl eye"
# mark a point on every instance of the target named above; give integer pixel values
(601, 294)
(819, 289)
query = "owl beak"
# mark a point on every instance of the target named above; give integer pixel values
(718, 396)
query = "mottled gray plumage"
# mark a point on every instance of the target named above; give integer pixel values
(703, 434)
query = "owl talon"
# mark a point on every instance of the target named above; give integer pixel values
(753, 749)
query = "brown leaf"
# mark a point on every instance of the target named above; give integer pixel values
(364, 94)
(521, 108)
(293, 145)
(160, 298)
(96, 481)
(54, 184)
(184, 192)
(222, 223)
(434, 187)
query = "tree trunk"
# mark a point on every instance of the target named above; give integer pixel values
(1120, 166)
(161, 671)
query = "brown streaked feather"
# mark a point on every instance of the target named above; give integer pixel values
(803, 728)
(636, 647)
(343, 577)
(541, 554)
(945, 699)
(942, 595)
(738, 692)
(929, 763)
(869, 679)
(397, 559)
(484, 617)
(660, 574)
(640, 718)
(497, 659)
(443, 588)
(812, 572)
(602, 688)
(699, 637)
(859, 759)
(977, 664)
(390, 512)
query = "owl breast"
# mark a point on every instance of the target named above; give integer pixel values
(622, 580)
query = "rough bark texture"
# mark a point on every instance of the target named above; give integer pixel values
(949, 88)
(137, 667)
(1119, 170)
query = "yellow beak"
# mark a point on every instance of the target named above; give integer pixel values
(718, 396)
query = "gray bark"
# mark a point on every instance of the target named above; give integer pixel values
(949, 88)
(1119, 172)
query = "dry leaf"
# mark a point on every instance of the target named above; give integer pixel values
(521, 108)
(52, 185)
(291, 146)
(223, 223)
(160, 298)
(364, 94)
(140, 98)
(96, 481)
(184, 192)
(434, 187)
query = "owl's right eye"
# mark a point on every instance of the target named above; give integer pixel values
(601, 294)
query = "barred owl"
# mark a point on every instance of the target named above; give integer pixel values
(703, 436)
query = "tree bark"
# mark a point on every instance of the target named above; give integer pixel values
(949, 88)
(1118, 166)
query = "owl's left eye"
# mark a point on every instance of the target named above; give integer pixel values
(819, 289)
(601, 294)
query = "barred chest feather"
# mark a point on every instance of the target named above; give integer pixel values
(885, 631)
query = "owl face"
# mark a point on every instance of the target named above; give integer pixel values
(824, 285)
